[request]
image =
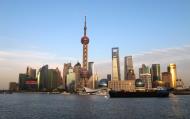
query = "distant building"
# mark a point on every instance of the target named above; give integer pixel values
(65, 72)
(126, 85)
(167, 79)
(144, 70)
(155, 72)
(172, 70)
(71, 80)
(43, 78)
(27, 83)
(54, 78)
(77, 69)
(109, 77)
(115, 64)
(128, 68)
(146, 77)
(31, 72)
(13, 86)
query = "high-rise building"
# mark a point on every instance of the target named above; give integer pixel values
(155, 71)
(54, 78)
(91, 81)
(65, 72)
(166, 78)
(43, 80)
(90, 68)
(31, 72)
(144, 69)
(109, 77)
(77, 69)
(71, 80)
(84, 70)
(172, 70)
(115, 64)
(128, 68)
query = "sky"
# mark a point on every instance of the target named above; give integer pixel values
(38, 32)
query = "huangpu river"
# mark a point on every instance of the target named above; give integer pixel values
(58, 106)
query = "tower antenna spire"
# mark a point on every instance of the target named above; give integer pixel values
(85, 27)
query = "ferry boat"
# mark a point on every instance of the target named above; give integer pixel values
(180, 88)
(149, 93)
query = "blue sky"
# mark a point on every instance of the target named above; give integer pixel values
(55, 27)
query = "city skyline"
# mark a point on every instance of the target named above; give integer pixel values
(23, 44)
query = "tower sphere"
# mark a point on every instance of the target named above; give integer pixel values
(84, 40)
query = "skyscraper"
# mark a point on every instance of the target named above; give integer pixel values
(84, 70)
(115, 64)
(155, 71)
(172, 70)
(43, 80)
(144, 69)
(31, 72)
(128, 68)
(65, 72)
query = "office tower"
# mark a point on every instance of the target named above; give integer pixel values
(31, 72)
(144, 69)
(43, 78)
(166, 78)
(54, 78)
(84, 70)
(109, 77)
(155, 71)
(91, 81)
(128, 68)
(115, 64)
(65, 72)
(70, 85)
(172, 70)
(90, 68)
(77, 69)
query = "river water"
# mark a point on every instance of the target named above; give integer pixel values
(57, 106)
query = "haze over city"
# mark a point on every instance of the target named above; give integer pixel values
(35, 33)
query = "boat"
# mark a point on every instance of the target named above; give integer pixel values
(181, 92)
(180, 88)
(126, 94)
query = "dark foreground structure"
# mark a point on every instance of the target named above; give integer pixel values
(125, 94)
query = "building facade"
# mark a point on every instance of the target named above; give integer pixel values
(166, 78)
(172, 70)
(128, 68)
(115, 64)
(118, 85)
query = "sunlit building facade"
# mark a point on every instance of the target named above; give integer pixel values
(172, 70)
(128, 68)
(115, 64)
(166, 78)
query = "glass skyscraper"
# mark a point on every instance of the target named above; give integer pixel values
(115, 64)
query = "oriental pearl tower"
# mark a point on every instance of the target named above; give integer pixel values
(84, 70)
